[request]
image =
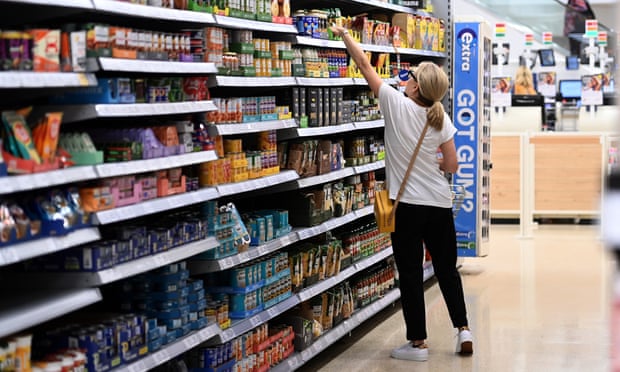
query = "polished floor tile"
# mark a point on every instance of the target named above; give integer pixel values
(537, 304)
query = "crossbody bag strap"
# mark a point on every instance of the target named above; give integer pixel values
(409, 169)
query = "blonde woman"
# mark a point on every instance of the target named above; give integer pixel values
(524, 82)
(424, 214)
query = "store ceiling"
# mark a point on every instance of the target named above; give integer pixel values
(538, 15)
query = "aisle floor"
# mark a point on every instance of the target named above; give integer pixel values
(539, 304)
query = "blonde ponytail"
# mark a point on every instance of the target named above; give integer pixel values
(433, 83)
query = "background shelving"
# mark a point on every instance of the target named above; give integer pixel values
(24, 310)
(108, 10)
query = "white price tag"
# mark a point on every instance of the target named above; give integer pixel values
(227, 262)
(250, 126)
(262, 250)
(293, 363)
(229, 334)
(10, 255)
(8, 80)
(255, 321)
(138, 367)
(285, 240)
(160, 261)
(161, 357)
(307, 354)
(206, 333)
(273, 312)
(191, 341)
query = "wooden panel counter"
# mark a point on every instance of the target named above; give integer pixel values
(564, 179)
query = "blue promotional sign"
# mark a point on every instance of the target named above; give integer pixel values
(467, 120)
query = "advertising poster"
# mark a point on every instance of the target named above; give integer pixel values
(466, 119)
(546, 84)
(592, 90)
(500, 91)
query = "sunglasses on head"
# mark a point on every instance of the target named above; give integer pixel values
(412, 75)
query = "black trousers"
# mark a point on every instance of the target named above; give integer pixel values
(416, 226)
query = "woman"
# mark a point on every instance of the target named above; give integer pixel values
(424, 213)
(524, 82)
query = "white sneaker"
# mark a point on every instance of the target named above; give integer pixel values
(410, 352)
(465, 343)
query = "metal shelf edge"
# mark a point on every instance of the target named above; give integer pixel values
(149, 66)
(154, 12)
(50, 305)
(155, 206)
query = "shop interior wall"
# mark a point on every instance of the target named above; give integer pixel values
(515, 35)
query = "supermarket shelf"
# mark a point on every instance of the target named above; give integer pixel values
(244, 82)
(259, 183)
(207, 266)
(118, 272)
(315, 131)
(40, 80)
(172, 350)
(326, 284)
(322, 43)
(145, 66)
(152, 12)
(25, 182)
(155, 206)
(246, 24)
(363, 82)
(242, 128)
(369, 124)
(149, 165)
(243, 326)
(324, 178)
(38, 247)
(330, 337)
(24, 310)
(73, 113)
(324, 82)
(369, 167)
(386, 5)
(82, 4)
(332, 223)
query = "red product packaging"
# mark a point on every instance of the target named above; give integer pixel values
(195, 89)
(46, 50)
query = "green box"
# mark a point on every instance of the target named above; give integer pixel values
(276, 72)
(263, 17)
(87, 158)
(287, 55)
(303, 122)
(242, 48)
(299, 70)
(192, 5)
(262, 54)
(248, 70)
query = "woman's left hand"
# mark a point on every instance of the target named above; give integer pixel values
(338, 30)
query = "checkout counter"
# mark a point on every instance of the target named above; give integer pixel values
(547, 174)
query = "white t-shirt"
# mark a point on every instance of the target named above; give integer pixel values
(404, 122)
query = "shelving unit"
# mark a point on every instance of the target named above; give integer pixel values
(25, 310)
(244, 128)
(151, 12)
(122, 271)
(42, 80)
(329, 338)
(38, 247)
(75, 113)
(36, 308)
(149, 67)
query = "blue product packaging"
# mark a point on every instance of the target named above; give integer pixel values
(198, 305)
(196, 284)
(171, 336)
(196, 296)
(152, 334)
(155, 344)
